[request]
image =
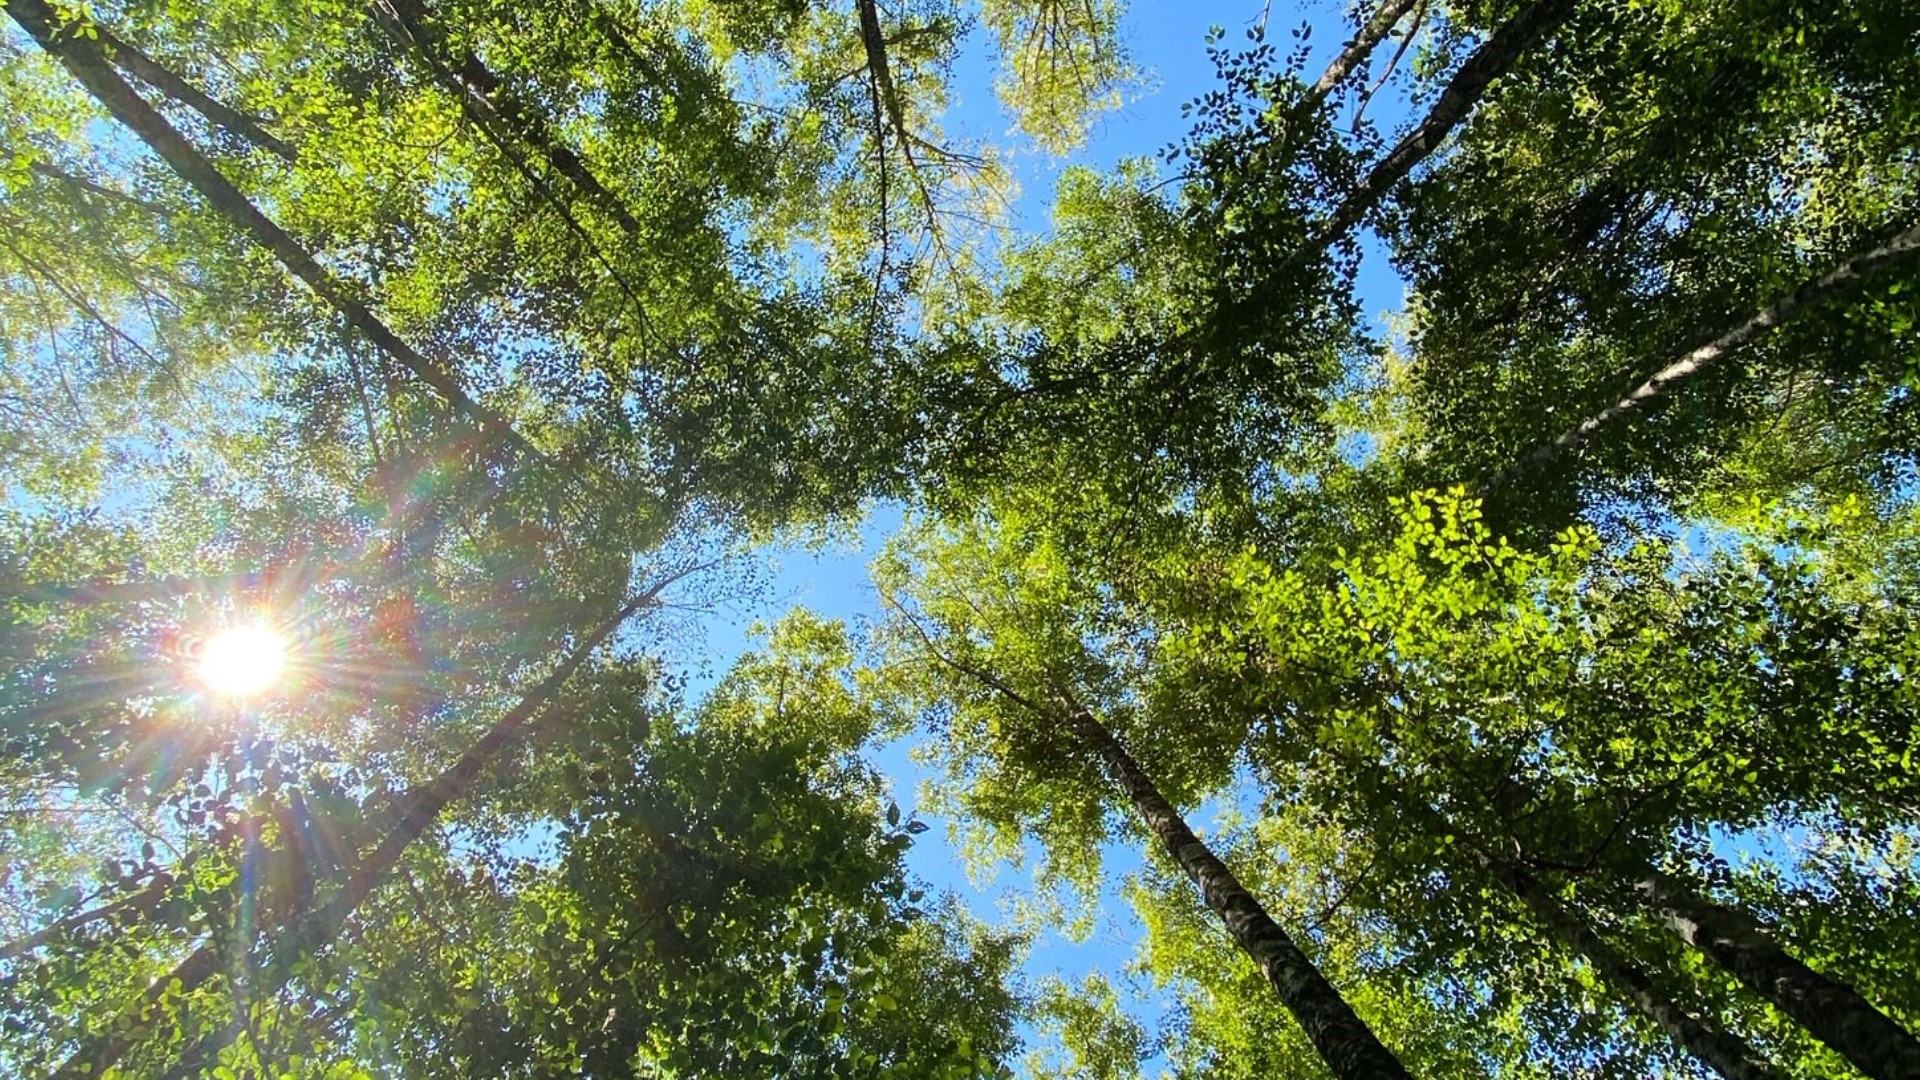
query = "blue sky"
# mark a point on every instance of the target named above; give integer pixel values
(1168, 41)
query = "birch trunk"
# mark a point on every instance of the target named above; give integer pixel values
(1719, 1050)
(1509, 43)
(84, 58)
(1349, 1047)
(1831, 1011)
(1848, 274)
(1356, 52)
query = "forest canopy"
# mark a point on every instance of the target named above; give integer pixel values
(1517, 684)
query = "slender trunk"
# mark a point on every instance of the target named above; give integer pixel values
(1510, 42)
(508, 124)
(84, 59)
(417, 811)
(1831, 1011)
(1356, 51)
(1848, 274)
(143, 67)
(1346, 1043)
(148, 894)
(1723, 1052)
(492, 104)
(887, 99)
(874, 40)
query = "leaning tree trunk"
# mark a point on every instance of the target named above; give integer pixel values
(1508, 44)
(147, 896)
(85, 59)
(1723, 1052)
(1346, 1043)
(1356, 51)
(1831, 1011)
(486, 98)
(218, 113)
(1852, 272)
(418, 809)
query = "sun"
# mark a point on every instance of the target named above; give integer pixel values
(241, 661)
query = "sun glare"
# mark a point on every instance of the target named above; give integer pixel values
(241, 661)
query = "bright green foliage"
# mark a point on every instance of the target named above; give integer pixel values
(1660, 174)
(1064, 64)
(1689, 681)
(574, 296)
(964, 603)
(1100, 1041)
(1586, 707)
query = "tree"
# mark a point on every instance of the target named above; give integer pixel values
(1667, 192)
(1545, 658)
(428, 571)
(1396, 653)
(986, 589)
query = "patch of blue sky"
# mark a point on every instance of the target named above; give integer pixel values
(1168, 41)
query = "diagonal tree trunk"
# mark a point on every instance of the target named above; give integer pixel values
(416, 812)
(1527, 28)
(493, 104)
(1723, 1052)
(84, 58)
(147, 896)
(509, 124)
(1831, 1011)
(1343, 1040)
(143, 67)
(1350, 1048)
(1355, 53)
(1849, 274)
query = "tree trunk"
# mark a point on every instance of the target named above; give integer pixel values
(1346, 1043)
(417, 810)
(1721, 1051)
(1850, 273)
(218, 113)
(148, 895)
(1356, 51)
(492, 105)
(84, 59)
(1510, 42)
(1832, 1011)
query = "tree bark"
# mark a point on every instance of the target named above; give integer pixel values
(1848, 274)
(84, 59)
(416, 811)
(1356, 51)
(492, 104)
(1831, 1011)
(1723, 1052)
(1349, 1047)
(1469, 84)
(143, 67)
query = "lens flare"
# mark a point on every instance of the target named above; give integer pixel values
(242, 661)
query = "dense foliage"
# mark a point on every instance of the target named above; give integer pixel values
(1524, 685)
